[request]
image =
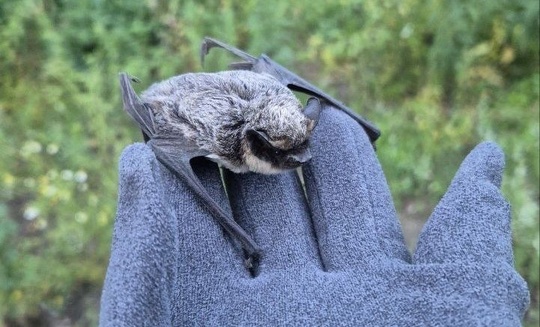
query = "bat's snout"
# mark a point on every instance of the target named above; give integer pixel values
(301, 158)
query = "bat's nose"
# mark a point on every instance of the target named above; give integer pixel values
(303, 157)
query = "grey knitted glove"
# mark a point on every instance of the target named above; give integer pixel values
(335, 259)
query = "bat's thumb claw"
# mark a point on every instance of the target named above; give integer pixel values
(204, 50)
(128, 77)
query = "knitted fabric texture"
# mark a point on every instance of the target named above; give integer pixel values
(333, 255)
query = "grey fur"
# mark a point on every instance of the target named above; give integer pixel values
(265, 65)
(215, 111)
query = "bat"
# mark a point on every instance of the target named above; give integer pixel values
(243, 120)
(263, 64)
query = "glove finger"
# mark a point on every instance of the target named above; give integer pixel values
(161, 235)
(273, 210)
(353, 213)
(201, 243)
(222, 247)
(140, 239)
(472, 220)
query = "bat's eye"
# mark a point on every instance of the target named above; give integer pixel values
(262, 134)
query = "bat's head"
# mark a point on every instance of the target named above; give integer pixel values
(246, 121)
(276, 135)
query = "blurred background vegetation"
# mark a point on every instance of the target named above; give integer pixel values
(436, 76)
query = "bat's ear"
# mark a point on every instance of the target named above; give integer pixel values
(312, 110)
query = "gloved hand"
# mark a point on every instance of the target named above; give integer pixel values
(335, 259)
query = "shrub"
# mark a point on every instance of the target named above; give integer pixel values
(437, 78)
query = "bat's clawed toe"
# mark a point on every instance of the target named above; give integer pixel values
(252, 261)
(209, 43)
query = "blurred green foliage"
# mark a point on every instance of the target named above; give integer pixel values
(436, 77)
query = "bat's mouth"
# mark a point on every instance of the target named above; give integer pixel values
(293, 161)
(300, 158)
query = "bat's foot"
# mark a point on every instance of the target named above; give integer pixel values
(252, 261)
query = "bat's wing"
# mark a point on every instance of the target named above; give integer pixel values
(136, 109)
(176, 156)
(178, 163)
(263, 64)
